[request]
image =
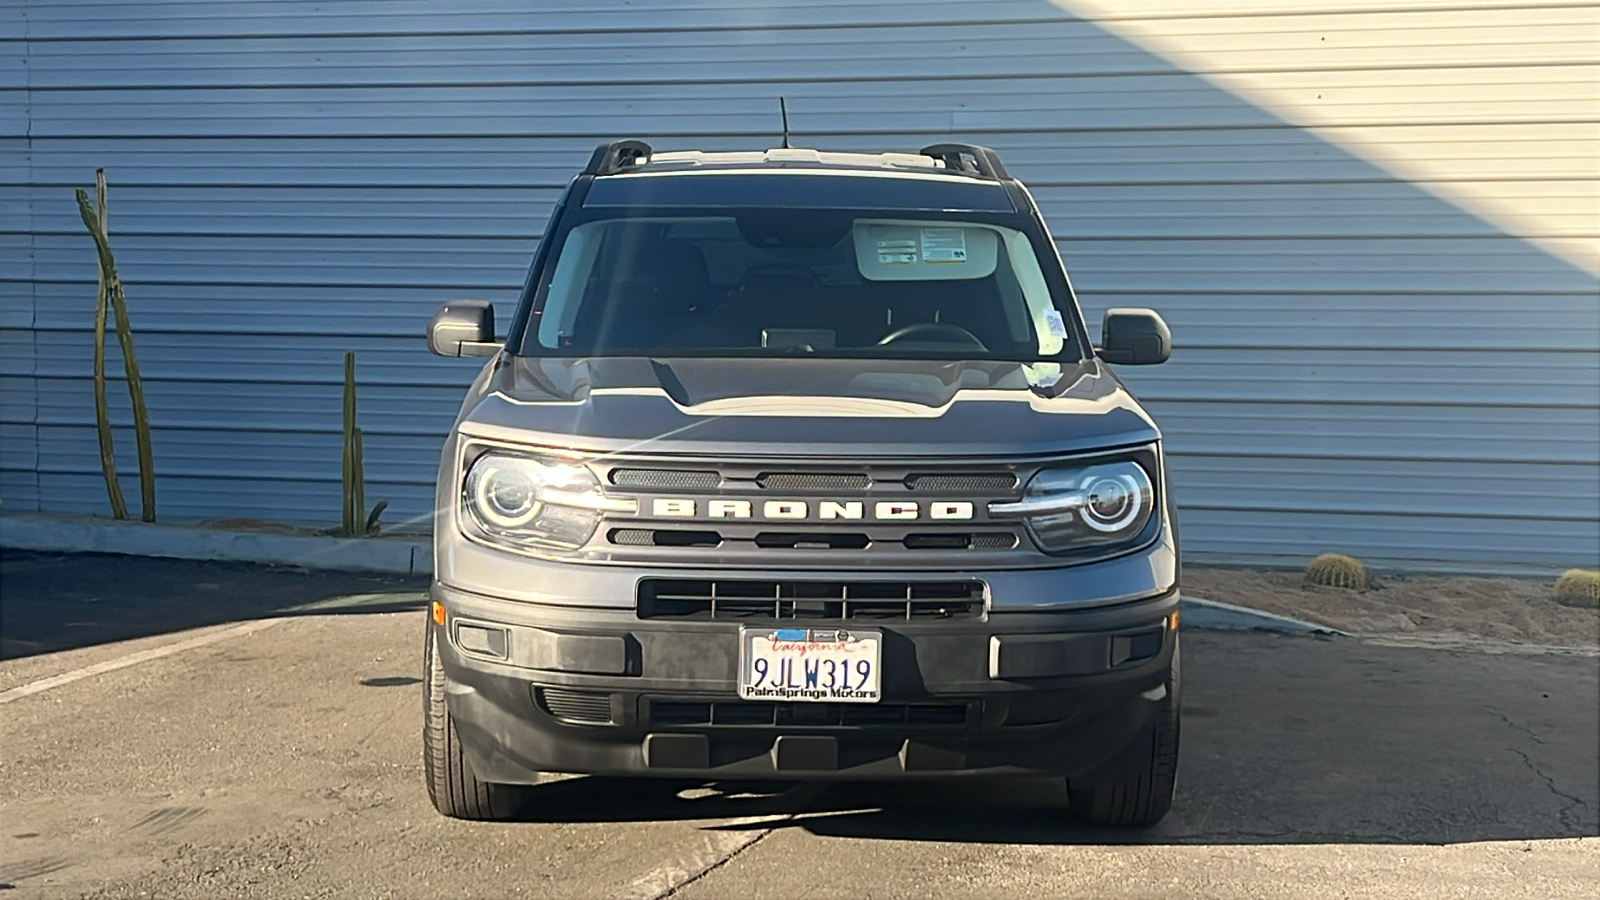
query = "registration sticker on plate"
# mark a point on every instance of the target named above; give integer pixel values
(820, 665)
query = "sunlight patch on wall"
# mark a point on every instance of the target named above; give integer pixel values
(1496, 110)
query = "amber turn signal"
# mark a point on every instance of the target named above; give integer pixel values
(438, 613)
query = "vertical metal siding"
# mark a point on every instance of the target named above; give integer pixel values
(1372, 356)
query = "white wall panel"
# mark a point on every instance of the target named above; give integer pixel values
(1367, 223)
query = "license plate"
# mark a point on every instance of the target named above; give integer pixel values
(815, 665)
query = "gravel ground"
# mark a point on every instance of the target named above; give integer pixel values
(1432, 609)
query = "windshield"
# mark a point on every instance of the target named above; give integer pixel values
(797, 282)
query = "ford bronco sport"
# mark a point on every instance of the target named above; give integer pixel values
(801, 465)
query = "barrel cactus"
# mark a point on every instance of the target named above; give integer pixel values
(1336, 570)
(1579, 587)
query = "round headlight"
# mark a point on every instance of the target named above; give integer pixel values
(1091, 509)
(532, 501)
(505, 492)
(1112, 502)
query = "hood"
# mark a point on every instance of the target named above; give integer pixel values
(805, 407)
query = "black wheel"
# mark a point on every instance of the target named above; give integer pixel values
(1139, 790)
(453, 788)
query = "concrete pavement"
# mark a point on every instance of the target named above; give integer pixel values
(284, 762)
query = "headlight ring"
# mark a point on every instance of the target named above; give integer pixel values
(504, 495)
(1112, 502)
(1092, 508)
(524, 500)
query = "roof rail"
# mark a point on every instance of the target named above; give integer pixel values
(984, 162)
(612, 158)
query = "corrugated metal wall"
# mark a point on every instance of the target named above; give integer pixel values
(1373, 357)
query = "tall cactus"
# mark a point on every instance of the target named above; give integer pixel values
(116, 300)
(355, 520)
(352, 452)
(102, 412)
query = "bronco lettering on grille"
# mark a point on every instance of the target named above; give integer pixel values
(886, 510)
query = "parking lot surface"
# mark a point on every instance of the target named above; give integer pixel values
(181, 729)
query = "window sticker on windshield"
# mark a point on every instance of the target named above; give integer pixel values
(944, 245)
(895, 253)
(1052, 318)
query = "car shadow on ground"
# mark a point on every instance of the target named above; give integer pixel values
(1287, 739)
(1019, 811)
(51, 602)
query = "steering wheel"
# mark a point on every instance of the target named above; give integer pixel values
(935, 331)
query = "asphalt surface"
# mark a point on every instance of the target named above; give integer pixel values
(177, 729)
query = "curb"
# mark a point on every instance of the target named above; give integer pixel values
(82, 534)
(1210, 615)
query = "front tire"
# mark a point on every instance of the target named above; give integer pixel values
(1139, 792)
(452, 786)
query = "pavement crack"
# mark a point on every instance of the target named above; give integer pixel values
(668, 880)
(1566, 813)
(1532, 736)
(722, 860)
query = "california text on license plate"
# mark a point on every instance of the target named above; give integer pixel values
(823, 665)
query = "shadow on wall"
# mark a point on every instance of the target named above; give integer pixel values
(1360, 364)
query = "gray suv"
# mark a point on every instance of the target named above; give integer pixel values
(801, 465)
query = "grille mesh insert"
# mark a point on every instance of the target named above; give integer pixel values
(814, 481)
(664, 478)
(591, 707)
(971, 483)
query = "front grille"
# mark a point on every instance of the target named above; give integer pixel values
(684, 598)
(589, 707)
(814, 481)
(740, 713)
(664, 478)
(716, 512)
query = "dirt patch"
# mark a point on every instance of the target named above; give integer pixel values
(1422, 607)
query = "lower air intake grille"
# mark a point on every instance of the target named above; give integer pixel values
(685, 598)
(589, 707)
(740, 713)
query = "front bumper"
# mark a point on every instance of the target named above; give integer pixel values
(602, 691)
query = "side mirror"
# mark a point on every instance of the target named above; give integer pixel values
(463, 328)
(1134, 337)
